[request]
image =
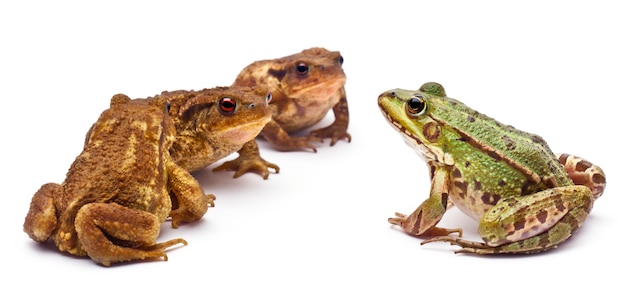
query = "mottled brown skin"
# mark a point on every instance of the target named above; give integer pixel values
(214, 123)
(304, 87)
(117, 192)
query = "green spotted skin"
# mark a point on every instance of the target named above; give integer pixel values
(525, 198)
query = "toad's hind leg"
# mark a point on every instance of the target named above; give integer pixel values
(112, 233)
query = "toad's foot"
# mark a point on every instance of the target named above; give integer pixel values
(295, 143)
(334, 133)
(244, 164)
(156, 251)
(406, 223)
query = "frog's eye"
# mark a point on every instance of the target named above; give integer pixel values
(415, 106)
(340, 60)
(302, 68)
(268, 98)
(227, 105)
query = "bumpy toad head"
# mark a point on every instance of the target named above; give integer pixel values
(305, 86)
(213, 123)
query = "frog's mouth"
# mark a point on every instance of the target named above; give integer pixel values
(418, 146)
(398, 122)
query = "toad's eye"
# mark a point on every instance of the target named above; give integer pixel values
(415, 106)
(340, 60)
(227, 106)
(302, 68)
(268, 98)
(168, 106)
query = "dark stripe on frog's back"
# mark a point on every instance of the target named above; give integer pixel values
(466, 121)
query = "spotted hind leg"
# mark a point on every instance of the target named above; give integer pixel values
(583, 172)
(548, 240)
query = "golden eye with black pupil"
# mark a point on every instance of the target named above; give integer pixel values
(415, 106)
(302, 69)
(227, 106)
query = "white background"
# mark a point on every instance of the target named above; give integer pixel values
(319, 227)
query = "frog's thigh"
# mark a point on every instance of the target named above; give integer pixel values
(96, 222)
(560, 232)
(520, 218)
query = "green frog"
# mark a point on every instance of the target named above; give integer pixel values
(525, 198)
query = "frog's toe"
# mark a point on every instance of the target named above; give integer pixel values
(466, 246)
(398, 219)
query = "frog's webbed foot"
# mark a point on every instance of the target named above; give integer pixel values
(333, 132)
(406, 223)
(528, 246)
(244, 164)
(466, 246)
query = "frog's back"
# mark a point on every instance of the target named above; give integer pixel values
(523, 151)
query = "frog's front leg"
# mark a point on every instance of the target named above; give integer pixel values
(112, 233)
(529, 224)
(249, 160)
(339, 128)
(423, 221)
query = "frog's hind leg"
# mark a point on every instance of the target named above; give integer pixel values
(539, 243)
(529, 224)
(112, 233)
(583, 172)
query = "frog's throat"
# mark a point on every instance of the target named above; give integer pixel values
(427, 153)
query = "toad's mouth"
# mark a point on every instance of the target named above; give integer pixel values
(318, 91)
(244, 133)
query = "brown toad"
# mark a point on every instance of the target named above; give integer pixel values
(216, 122)
(117, 191)
(304, 87)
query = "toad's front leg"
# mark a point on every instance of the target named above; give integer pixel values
(249, 160)
(339, 128)
(189, 199)
(112, 233)
(281, 140)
